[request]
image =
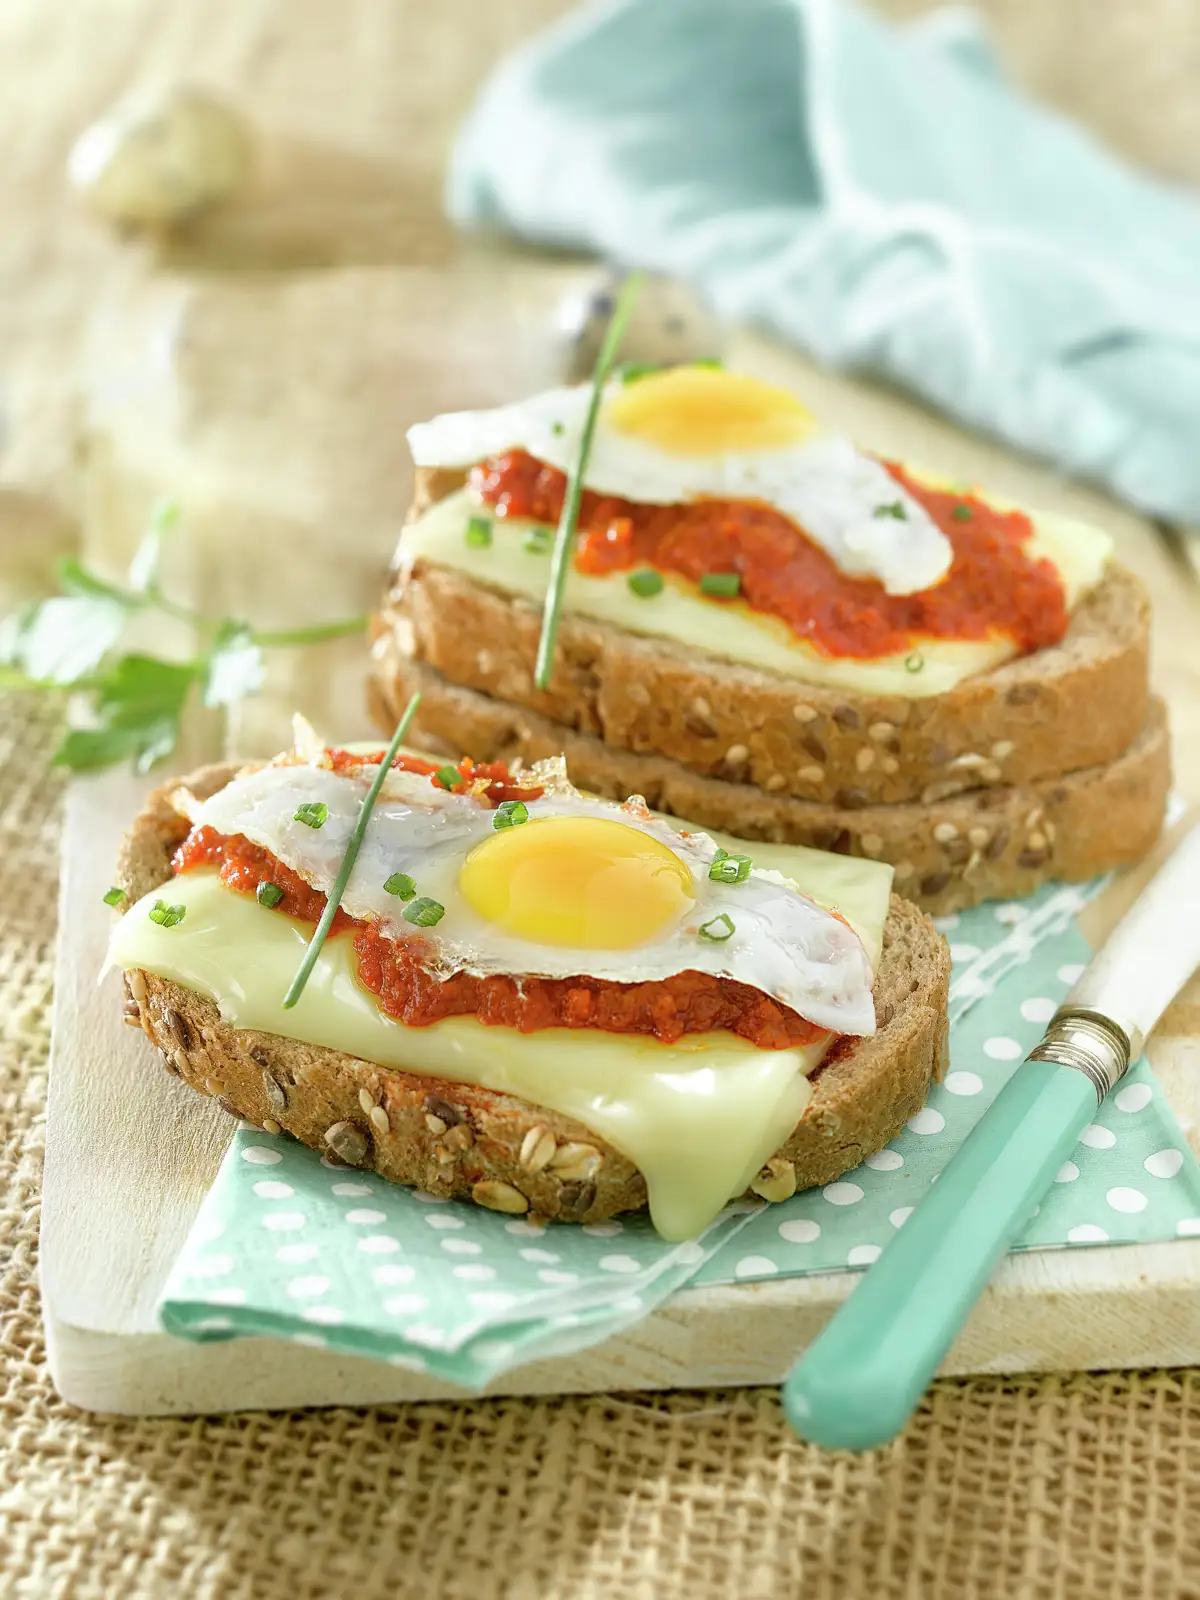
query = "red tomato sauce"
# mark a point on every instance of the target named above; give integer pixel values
(490, 780)
(243, 866)
(993, 588)
(399, 976)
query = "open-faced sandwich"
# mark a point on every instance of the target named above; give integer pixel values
(771, 631)
(543, 1001)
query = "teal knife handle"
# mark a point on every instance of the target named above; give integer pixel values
(864, 1375)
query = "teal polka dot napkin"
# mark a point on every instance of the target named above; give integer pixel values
(289, 1246)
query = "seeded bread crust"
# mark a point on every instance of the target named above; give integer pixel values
(1078, 704)
(952, 851)
(469, 1143)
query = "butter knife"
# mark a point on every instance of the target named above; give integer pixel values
(865, 1373)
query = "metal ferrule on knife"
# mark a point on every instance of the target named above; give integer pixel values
(1092, 1043)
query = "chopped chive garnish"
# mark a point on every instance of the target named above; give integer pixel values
(426, 913)
(631, 371)
(962, 513)
(114, 896)
(725, 584)
(560, 560)
(708, 361)
(479, 533)
(558, 429)
(321, 933)
(510, 814)
(646, 583)
(447, 777)
(167, 916)
(914, 662)
(717, 928)
(725, 868)
(401, 885)
(539, 541)
(268, 894)
(894, 508)
(313, 814)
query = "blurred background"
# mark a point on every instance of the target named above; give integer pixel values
(243, 286)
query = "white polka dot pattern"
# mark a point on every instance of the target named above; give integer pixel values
(1164, 1163)
(1038, 1008)
(259, 1156)
(1097, 1138)
(964, 1082)
(926, 1121)
(842, 1194)
(1134, 1097)
(1001, 1048)
(862, 1255)
(755, 1267)
(885, 1161)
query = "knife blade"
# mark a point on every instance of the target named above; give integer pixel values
(863, 1376)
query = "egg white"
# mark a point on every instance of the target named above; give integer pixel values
(784, 944)
(832, 490)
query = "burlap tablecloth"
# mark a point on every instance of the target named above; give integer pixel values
(1040, 1488)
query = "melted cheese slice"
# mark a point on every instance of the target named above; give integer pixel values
(698, 1118)
(730, 629)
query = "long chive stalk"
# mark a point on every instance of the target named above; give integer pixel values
(315, 944)
(564, 538)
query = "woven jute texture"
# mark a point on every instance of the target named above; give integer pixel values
(1038, 1489)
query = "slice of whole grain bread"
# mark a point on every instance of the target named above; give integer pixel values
(1078, 704)
(958, 847)
(470, 1143)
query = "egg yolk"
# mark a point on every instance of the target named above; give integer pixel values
(695, 411)
(584, 882)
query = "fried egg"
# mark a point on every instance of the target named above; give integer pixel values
(700, 432)
(569, 886)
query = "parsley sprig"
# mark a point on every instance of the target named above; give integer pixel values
(70, 644)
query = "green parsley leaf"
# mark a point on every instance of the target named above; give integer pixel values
(645, 582)
(136, 710)
(718, 929)
(725, 584)
(894, 508)
(235, 666)
(114, 896)
(401, 885)
(446, 777)
(424, 912)
(725, 868)
(479, 533)
(539, 541)
(510, 814)
(65, 639)
(167, 916)
(269, 895)
(914, 662)
(313, 814)
(962, 513)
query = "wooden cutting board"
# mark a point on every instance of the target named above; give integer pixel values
(130, 1153)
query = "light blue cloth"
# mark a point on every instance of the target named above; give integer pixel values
(879, 196)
